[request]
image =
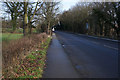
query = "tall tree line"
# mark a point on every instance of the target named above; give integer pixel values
(98, 18)
(32, 13)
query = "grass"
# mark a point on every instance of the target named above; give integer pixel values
(6, 34)
(33, 65)
(9, 30)
(10, 36)
(25, 56)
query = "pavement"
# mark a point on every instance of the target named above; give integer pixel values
(58, 63)
(91, 58)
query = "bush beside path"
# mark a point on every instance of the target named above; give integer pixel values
(25, 57)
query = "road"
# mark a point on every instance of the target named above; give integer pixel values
(91, 58)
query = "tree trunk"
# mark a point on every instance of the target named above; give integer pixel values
(101, 28)
(118, 34)
(14, 18)
(25, 19)
(49, 30)
(23, 27)
(30, 28)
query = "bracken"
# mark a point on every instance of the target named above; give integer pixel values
(14, 51)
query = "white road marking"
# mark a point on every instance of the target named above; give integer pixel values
(111, 47)
(101, 38)
(110, 39)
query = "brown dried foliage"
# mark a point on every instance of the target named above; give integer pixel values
(16, 50)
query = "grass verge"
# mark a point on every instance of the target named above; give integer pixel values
(33, 64)
(18, 53)
(10, 36)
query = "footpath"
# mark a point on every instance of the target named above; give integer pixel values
(58, 63)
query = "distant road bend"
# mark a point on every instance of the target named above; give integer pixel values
(92, 58)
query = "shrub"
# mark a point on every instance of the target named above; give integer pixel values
(16, 50)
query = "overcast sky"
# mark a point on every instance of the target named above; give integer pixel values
(66, 4)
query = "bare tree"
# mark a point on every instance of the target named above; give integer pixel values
(99, 18)
(13, 8)
(28, 20)
(49, 12)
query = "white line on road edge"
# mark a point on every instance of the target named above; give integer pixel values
(100, 38)
(111, 47)
(110, 39)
